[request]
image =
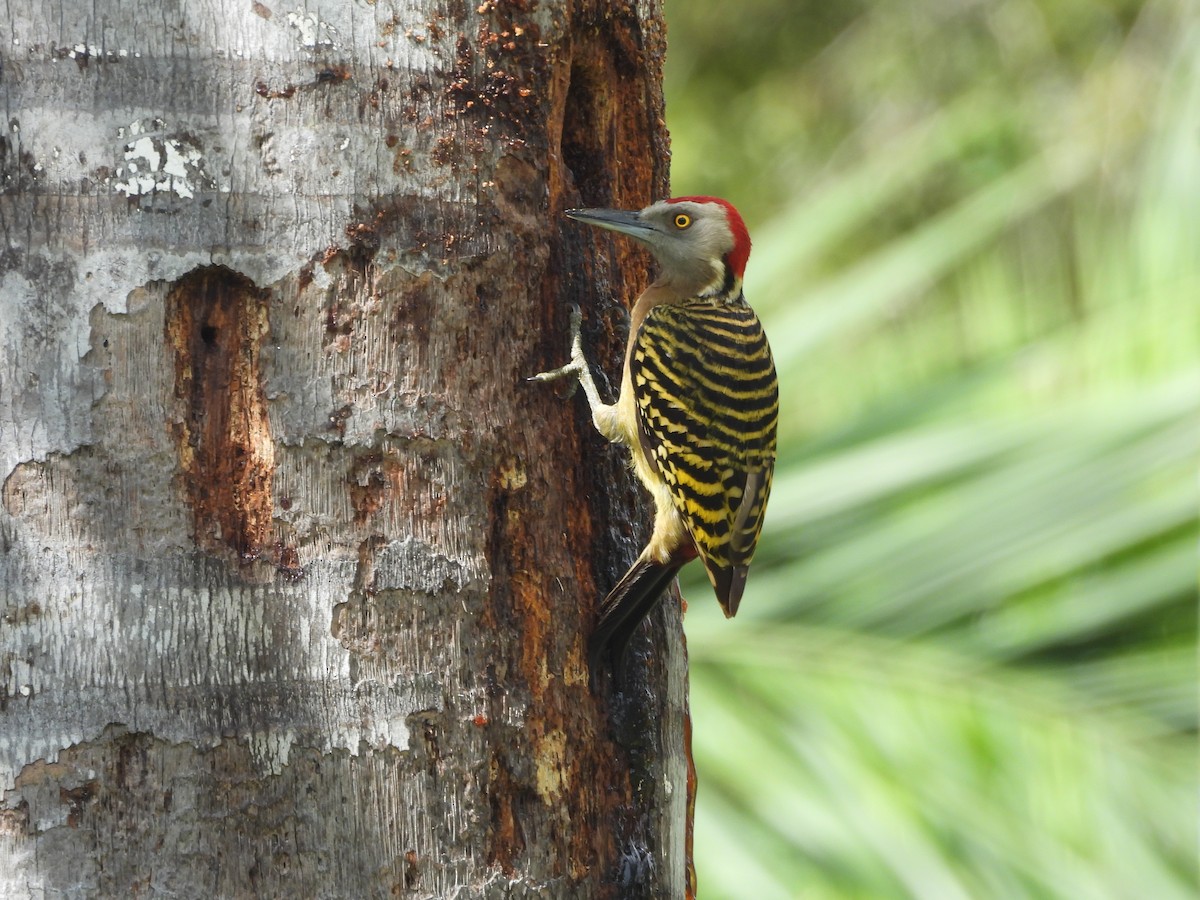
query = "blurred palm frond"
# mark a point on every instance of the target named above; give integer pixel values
(966, 664)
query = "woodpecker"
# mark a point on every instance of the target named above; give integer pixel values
(698, 407)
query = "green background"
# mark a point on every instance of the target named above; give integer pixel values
(965, 666)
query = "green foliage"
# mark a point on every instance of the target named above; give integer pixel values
(965, 665)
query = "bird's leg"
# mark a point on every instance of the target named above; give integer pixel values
(578, 369)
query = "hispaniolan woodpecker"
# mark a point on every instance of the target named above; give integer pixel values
(698, 407)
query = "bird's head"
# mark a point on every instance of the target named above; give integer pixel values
(700, 242)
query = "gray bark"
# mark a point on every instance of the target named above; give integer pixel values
(296, 571)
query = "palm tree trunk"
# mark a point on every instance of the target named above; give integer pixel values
(296, 569)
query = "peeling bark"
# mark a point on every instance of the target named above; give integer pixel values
(296, 570)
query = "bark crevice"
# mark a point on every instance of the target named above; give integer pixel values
(216, 320)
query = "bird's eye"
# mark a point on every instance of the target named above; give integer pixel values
(683, 220)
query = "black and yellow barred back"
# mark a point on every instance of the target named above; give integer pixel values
(708, 403)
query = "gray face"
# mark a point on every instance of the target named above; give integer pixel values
(689, 239)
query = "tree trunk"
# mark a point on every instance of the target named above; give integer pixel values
(297, 569)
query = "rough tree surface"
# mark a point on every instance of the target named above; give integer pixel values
(296, 570)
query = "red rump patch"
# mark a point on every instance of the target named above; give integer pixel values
(741, 237)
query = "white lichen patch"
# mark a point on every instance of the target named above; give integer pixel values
(313, 33)
(158, 164)
(143, 149)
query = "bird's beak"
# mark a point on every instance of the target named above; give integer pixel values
(622, 221)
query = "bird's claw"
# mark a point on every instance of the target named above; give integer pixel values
(571, 368)
(577, 365)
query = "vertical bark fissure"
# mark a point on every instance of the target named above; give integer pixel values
(612, 152)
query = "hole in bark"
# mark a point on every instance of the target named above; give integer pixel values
(586, 124)
(216, 321)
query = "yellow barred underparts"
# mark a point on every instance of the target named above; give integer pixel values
(708, 402)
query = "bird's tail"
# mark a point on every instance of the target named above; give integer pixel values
(623, 610)
(729, 582)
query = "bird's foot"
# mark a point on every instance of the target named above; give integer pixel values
(577, 367)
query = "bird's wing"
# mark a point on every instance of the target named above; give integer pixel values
(708, 402)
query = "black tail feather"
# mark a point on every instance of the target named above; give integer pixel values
(623, 610)
(729, 582)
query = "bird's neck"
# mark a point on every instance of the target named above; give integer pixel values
(720, 284)
(725, 289)
(665, 290)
